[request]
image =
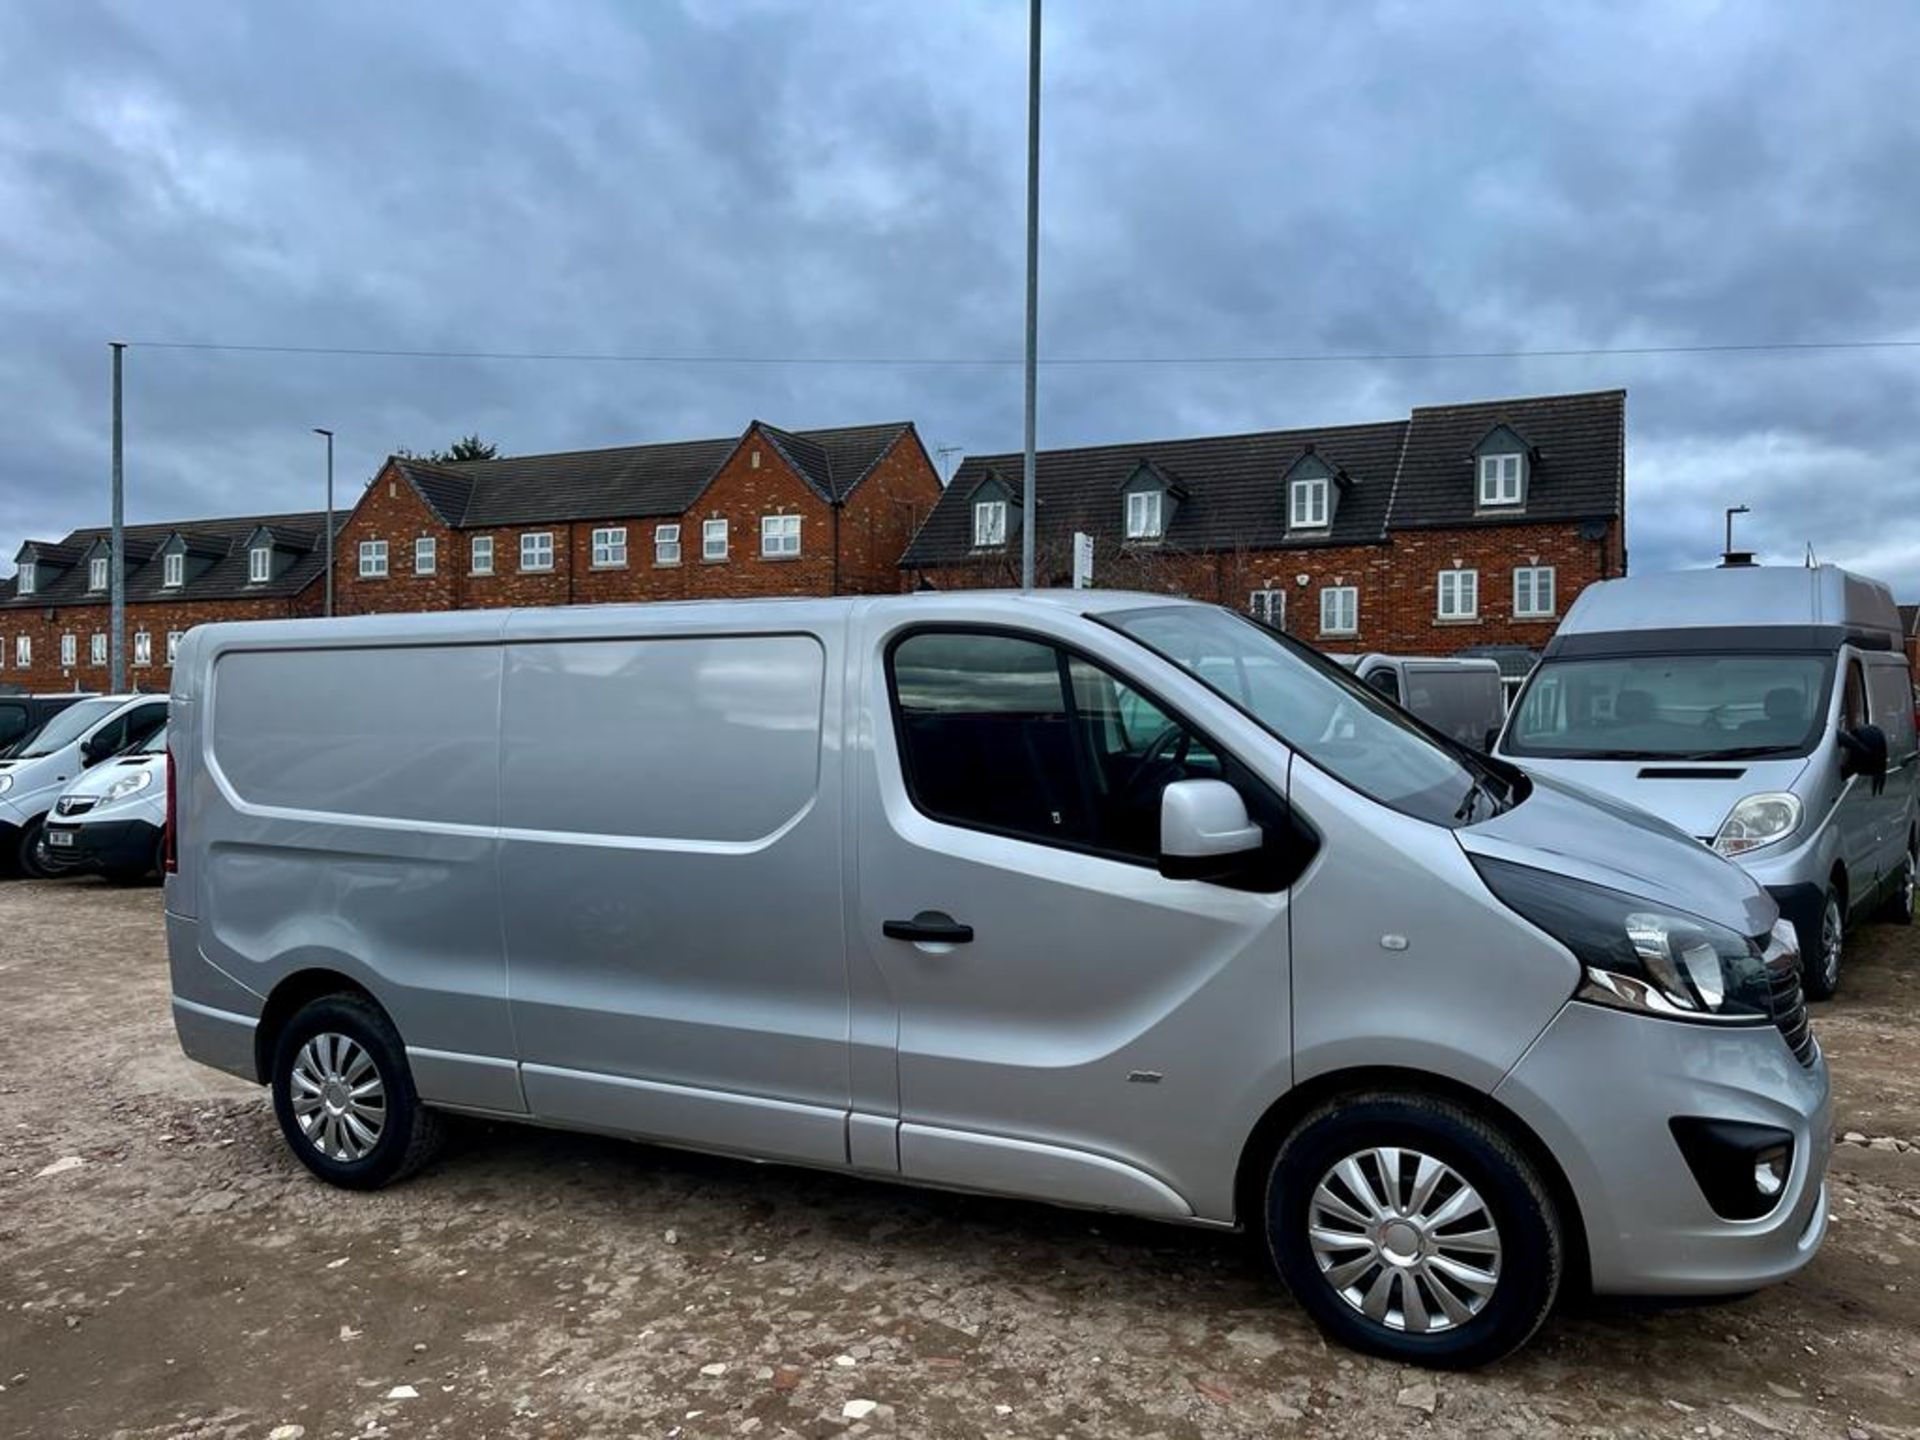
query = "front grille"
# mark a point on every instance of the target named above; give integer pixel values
(75, 804)
(1790, 1002)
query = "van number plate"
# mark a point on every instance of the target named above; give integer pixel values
(59, 838)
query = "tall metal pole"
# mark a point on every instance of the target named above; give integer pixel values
(117, 563)
(329, 531)
(1732, 510)
(1029, 506)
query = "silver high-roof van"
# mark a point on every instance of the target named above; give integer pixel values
(1765, 710)
(1102, 899)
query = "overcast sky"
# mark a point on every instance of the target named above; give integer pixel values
(847, 179)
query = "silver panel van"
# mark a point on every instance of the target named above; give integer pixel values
(1100, 899)
(1766, 711)
(1464, 699)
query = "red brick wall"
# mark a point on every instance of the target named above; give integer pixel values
(83, 621)
(881, 516)
(1398, 581)
(390, 509)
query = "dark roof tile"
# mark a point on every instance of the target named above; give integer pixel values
(223, 541)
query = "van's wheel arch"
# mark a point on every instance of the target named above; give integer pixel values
(32, 857)
(1410, 1226)
(1820, 971)
(344, 1096)
(1899, 905)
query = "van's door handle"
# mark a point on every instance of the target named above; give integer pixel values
(929, 927)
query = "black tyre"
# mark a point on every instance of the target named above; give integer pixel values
(345, 1098)
(1820, 970)
(1411, 1228)
(1898, 909)
(34, 857)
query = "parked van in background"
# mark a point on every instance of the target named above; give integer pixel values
(22, 715)
(112, 820)
(34, 774)
(1462, 699)
(1766, 711)
(1100, 899)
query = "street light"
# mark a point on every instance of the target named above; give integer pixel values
(1733, 510)
(329, 534)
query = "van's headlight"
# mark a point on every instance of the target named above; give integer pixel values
(127, 785)
(1639, 955)
(1758, 820)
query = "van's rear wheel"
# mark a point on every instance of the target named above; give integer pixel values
(1820, 971)
(1899, 905)
(1409, 1227)
(344, 1096)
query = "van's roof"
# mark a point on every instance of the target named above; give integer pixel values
(1822, 600)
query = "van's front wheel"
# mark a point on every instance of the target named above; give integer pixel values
(344, 1096)
(1409, 1227)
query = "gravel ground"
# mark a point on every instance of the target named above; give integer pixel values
(187, 1278)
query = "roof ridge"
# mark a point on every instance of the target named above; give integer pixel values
(1306, 430)
(1620, 390)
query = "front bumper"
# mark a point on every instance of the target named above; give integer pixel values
(108, 845)
(1599, 1087)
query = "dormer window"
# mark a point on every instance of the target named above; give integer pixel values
(989, 523)
(259, 564)
(29, 579)
(1143, 515)
(1307, 504)
(1500, 479)
(97, 573)
(173, 570)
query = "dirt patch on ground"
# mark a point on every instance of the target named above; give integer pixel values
(187, 1278)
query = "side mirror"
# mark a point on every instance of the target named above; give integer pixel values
(1863, 751)
(92, 752)
(1204, 831)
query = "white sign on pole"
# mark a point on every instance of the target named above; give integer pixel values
(1082, 560)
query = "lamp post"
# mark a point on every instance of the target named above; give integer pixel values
(329, 531)
(1733, 510)
(1029, 505)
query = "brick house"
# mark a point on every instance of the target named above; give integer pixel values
(1462, 527)
(766, 512)
(54, 628)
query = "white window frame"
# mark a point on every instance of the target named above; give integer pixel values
(480, 555)
(426, 554)
(666, 544)
(610, 548)
(1144, 510)
(97, 575)
(1461, 599)
(1307, 504)
(97, 648)
(142, 647)
(69, 650)
(373, 559)
(1502, 478)
(173, 570)
(1340, 597)
(1538, 587)
(712, 531)
(23, 651)
(1269, 605)
(259, 564)
(174, 637)
(28, 580)
(536, 552)
(779, 537)
(989, 523)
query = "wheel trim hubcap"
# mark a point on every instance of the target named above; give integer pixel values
(1403, 1239)
(1832, 937)
(339, 1099)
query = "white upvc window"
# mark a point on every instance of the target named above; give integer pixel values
(1340, 610)
(29, 579)
(173, 570)
(23, 650)
(69, 651)
(173, 644)
(259, 564)
(373, 559)
(610, 548)
(779, 536)
(97, 648)
(989, 523)
(1307, 504)
(713, 540)
(666, 544)
(426, 555)
(1459, 594)
(1270, 606)
(1143, 515)
(142, 648)
(480, 555)
(536, 550)
(1533, 592)
(1500, 479)
(97, 573)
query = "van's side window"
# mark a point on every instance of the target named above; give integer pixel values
(1133, 750)
(1890, 693)
(1854, 699)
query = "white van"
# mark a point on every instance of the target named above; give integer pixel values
(36, 771)
(1464, 699)
(1100, 899)
(112, 820)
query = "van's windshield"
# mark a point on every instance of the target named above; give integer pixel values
(1672, 707)
(66, 727)
(1321, 712)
